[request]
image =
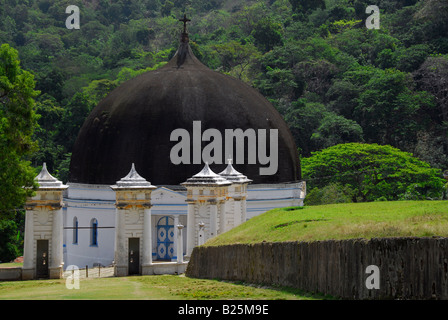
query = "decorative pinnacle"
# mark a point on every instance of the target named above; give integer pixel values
(232, 175)
(206, 177)
(46, 180)
(133, 180)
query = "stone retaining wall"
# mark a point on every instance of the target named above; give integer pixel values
(10, 274)
(409, 268)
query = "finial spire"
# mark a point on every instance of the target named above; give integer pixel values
(232, 175)
(46, 180)
(133, 180)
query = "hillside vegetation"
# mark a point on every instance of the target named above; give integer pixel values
(333, 80)
(342, 221)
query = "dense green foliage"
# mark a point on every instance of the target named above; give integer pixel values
(333, 80)
(371, 172)
(17, 122)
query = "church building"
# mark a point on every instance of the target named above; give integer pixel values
(140, 200)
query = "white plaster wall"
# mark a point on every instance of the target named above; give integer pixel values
(84, 253)
(262, 198)
(98, 201)
(90, 192)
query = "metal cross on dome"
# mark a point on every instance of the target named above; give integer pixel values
(185, 20)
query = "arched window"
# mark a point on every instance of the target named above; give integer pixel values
(75, 230)
(94, 232)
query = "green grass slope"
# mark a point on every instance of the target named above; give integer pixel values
(343, 221)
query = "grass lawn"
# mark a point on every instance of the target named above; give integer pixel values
(339, 221)
(11, 265)
(167, 287)
(343, 221)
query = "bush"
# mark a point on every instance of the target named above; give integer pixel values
(373, 172)
(8, 241)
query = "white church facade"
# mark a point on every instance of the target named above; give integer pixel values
(89, 206)
(134, 222)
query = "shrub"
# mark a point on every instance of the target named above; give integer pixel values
(372, 172)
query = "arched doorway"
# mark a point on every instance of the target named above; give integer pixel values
(165, 238)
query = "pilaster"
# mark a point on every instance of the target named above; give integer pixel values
(44, 222)
(133, 220)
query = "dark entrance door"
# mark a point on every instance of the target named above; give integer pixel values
(42, 259)
(134, 256)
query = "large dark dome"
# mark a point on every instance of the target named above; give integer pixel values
(133, 124)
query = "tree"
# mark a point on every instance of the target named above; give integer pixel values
(50, 115)
(303, 118)
(17, 123)
(435, 10)
(373, 171)
(267, 34)
(76, 111)
(306, 5)
(9, 240)
(97, 90)
(318, 75)
(236, 57)
(432, 77)
(410, 59)
(385, 105)
(335, 129)
(166, 8)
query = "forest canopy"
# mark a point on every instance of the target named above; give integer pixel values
(333, 80)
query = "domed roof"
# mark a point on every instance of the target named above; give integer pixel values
(133, 124)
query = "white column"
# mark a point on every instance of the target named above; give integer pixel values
(213, 220)
(28, 249)
(176, 223)
(243, 210)
(180, 245)
(222, 217)
(121, 263)
(147, 238)
(237, 213)
(191, 227)
(56, 241)
(201, 234)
